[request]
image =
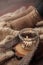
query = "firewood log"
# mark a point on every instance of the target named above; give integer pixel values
(41, 38)
(17, 14)
(5, 16)
(22, 13)
(4, 24)
(6, 55)
(27, 21)
(12, 14)
(39, 30)
(8, 38)
(39, 24)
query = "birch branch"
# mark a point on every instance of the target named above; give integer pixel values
(39, 24)
(6, 55)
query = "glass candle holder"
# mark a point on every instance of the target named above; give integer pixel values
(29, 37)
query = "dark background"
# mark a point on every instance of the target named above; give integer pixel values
(11, 5)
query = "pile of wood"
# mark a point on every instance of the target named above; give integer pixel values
(9, 28)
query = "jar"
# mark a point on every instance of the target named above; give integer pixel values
(29, 37)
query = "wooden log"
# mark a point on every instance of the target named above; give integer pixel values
(4, 24)
(7, 43)
(39, 30)
(17, 14)
(39, 24)
(6, 55)
(10, 15)
(26, 21)
(5, 16)
(8, 38)
(22, 13)
(41, 37)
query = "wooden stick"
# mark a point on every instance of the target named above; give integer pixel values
(41, 39)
